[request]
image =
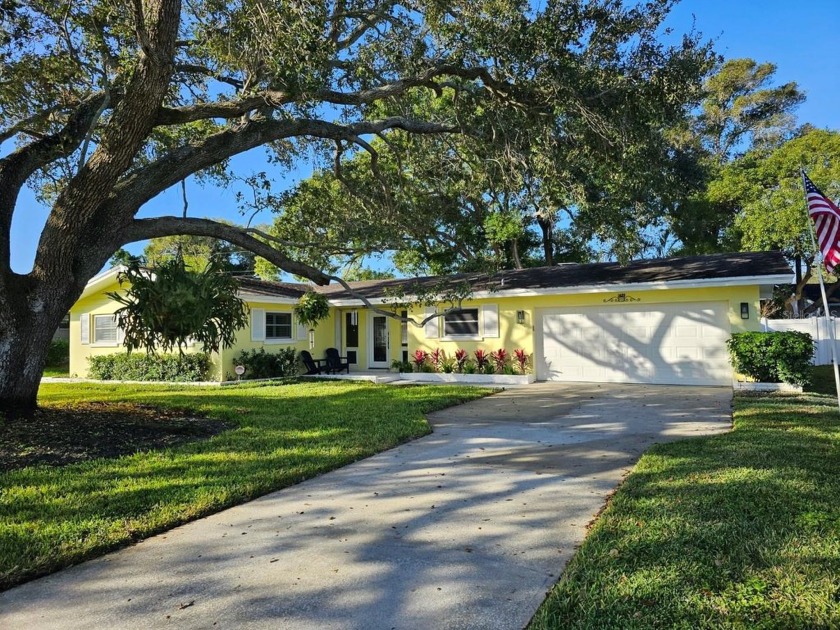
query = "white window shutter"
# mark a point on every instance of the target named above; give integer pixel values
(257, 324)
(302, 332)
(84, 322)
(490, 320)
(431, 328)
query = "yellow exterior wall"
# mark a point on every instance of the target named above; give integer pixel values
(223, 362)
(324, 333)
(101, 304)
(513, 336)
(330, 332)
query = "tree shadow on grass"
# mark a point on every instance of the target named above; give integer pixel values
(279, 436)
(734, 530)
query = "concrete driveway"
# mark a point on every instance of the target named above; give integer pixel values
(466, 528)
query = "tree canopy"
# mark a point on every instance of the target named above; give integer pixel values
(741, 112)
(109, 104)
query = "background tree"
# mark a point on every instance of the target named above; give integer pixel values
(524, 187)
(110, 104)
(766, 189)
(198, 251)
(741, 111)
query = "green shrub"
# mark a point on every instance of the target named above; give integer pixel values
(150, 367)
(262, 364)
(773, 356)
(58, 354)
(401, 366)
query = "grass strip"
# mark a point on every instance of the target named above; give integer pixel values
(52, 517)
(740, 530)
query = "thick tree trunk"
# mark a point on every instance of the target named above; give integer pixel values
(27, 324)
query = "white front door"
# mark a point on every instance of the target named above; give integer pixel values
(378, 346)
(662, 343)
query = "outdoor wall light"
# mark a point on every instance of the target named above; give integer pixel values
(354, 318)
(311, 338)
(745, 310)
(520, 317)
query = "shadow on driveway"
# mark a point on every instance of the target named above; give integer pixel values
(465, 528)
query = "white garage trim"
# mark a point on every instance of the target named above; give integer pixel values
(677, 343)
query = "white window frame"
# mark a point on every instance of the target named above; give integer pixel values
(290, 338)
(93, 332)
(468, 336)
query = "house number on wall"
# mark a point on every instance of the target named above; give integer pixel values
(623, 297)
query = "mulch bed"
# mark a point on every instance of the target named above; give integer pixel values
(57, 436)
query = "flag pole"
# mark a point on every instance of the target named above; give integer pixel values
(828, 319)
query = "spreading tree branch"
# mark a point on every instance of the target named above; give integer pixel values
(277, 98)
(142, 229)
(166, 171)
(19, 165)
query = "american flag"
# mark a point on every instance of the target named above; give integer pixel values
(826, 218)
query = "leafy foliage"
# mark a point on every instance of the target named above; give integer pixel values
(773, 357)
(261, 364)
(741, 115)
(170, 306)
(138, 367)
(312, 308)
(766, 187)
(197, 252)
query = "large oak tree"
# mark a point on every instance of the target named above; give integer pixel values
(111, 103)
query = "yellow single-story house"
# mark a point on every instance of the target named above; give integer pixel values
(661, 321)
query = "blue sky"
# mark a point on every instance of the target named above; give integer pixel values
(801, 38)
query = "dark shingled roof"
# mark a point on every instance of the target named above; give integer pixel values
(255, 286)
(585, 275)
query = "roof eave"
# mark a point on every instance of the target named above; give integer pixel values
(761, 281)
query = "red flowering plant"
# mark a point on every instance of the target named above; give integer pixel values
(437, 357)
(482, 359)
(521, 358)
(419, 359)
(460, 358)
(500, 359)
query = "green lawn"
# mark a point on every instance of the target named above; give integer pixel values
(822, 381)
(56, 372)
(734, 531)
(51, 517)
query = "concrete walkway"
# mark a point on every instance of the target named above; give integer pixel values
(466, 528)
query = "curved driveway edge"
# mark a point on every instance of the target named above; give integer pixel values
(465, 528)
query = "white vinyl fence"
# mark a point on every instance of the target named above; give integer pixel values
(817, 327)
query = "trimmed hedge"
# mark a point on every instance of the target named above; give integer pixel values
(773, 357)
(262, 364)
(59, 354)
(149, 367)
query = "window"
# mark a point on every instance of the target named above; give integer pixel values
(404, 328)
(278, 325)
(105, 329)
(352, 336)
(464, 323)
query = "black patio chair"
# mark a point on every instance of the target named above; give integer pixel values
(336, 363)
(313, 366)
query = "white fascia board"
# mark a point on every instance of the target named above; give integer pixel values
(642, 286)
(603, 288)
(267, 299)
(101, 280)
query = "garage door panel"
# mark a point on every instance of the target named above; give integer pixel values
(680, 343)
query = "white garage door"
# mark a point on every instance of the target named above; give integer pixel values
(666, 344)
